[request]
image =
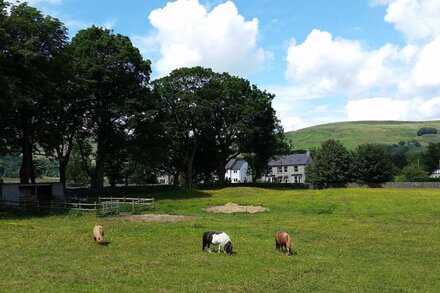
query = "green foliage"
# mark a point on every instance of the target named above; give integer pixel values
(431, 157)
(211, 118)
(370, 164)
(117, 79)
(9, 166)
(46, 168)
(330, 165)
(31, 43)
(426, 130)
(76, 169)
(414, 173)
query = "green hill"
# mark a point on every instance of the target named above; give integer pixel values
(352, 134)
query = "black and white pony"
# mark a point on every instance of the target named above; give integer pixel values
(217, 238)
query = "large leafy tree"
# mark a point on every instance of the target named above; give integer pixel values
(63, 112)
(370, 164)
(117, 77)
(431, 157)
(263, 134)
(212, 118)
(31, 42)
(182, 95)
(331, 164)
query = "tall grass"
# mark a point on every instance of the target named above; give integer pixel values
(366, 240)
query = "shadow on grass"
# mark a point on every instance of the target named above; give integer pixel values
(158, 192)
(16, 214)
(181, 194)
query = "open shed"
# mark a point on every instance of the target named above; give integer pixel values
(19, 195)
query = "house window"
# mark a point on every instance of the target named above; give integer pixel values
(235, 171)
(286, 179)
(280, 179)
(295, 168)
(297, 179)
(285, 168)
(280, 169)
(162, 181)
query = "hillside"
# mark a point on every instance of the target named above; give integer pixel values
(352, 134)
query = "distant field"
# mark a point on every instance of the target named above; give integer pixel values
(348, 240)
(352, 134)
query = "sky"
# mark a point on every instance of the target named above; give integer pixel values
(325, 61)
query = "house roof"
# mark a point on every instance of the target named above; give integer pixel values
(288, 160)
(234, 164)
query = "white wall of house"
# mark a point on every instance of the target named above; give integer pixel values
(165, 179)
(289, 174)
(239, 176)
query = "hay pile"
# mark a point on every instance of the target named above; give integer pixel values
(230, 208)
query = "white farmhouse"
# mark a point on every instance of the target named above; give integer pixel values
(237, 171)
(288, 169)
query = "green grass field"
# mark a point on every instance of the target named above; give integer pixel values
(352, 134)
(347, 240)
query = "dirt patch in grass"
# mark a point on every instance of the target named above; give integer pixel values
(155, 218)
(230, 208)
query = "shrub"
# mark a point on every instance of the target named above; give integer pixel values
(414, 173)
(426, 130)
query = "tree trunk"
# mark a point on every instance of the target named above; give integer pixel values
(98, 174)
(188, 175)
(27, 173)
(221, 172)
(176, 179)
(62, 169)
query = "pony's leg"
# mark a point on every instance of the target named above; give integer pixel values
(219, 248)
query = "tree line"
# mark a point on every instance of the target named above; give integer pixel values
(91, 99)
(334, 165)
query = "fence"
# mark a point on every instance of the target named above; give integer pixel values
(105, 205)
(133, 201)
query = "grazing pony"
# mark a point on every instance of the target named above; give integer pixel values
(283, 242)
(98, 234)
(217, 238)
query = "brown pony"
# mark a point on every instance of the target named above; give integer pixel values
(283, 242)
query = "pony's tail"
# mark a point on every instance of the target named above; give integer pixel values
(288, 244)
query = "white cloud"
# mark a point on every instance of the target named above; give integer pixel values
(189, 35)
(387, 108)
(328, 66)
(416, 19)
(389, 83)
(292, 123)
(379, 108)
(427, 68)
(429, 109)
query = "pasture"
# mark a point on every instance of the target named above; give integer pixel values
(347, 240)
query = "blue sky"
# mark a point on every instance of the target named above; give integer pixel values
(326, 61)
